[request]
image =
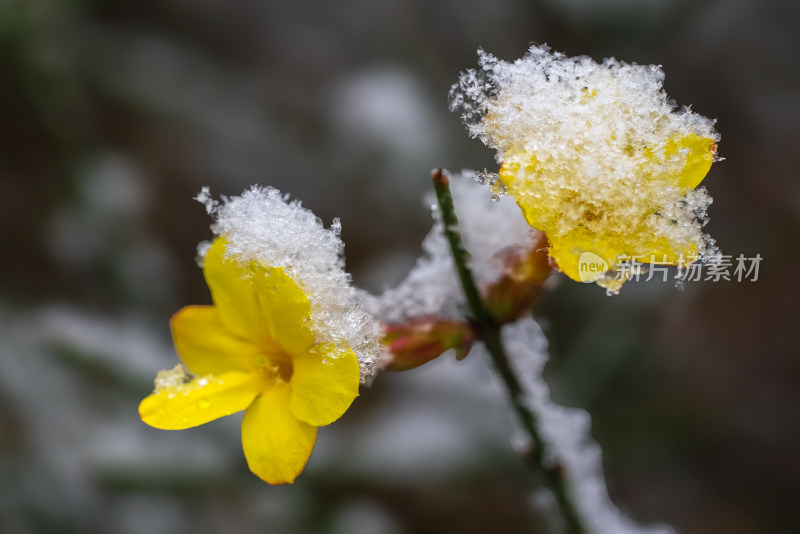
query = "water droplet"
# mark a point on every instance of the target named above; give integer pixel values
(495, 198)
(203, 404)
(680, 285)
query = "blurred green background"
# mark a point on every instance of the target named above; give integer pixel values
(113, 114)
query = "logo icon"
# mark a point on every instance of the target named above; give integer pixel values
(591, 267)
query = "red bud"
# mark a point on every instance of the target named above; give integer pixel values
(524, 272)
(422, 340)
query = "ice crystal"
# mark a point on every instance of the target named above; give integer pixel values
(169, 378)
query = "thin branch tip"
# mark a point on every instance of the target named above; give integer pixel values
(440, 176)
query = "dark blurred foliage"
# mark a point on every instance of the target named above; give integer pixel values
(113, 114)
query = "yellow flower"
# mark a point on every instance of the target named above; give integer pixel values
(596, 157)
(649, 217)
(254, 350)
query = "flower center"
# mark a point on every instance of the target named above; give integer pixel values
(276, 365)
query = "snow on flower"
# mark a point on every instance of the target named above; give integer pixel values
(595, 155)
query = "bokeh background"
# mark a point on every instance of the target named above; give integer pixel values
(114, 113)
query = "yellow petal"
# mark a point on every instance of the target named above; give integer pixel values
(519, 174)
(206, 346)
(698, 155)
(202, 400)
(324, 384)
(258, 303)
(233, 293)
(285, 310)
(567, 250)
(276, 444)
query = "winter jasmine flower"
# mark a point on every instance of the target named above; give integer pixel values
(595, 156)
(286, 339)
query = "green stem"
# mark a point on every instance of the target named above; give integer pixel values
(488, 331)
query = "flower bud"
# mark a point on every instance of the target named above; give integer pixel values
(421, 340)
(524, 271)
